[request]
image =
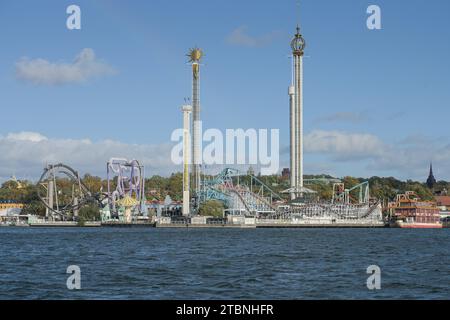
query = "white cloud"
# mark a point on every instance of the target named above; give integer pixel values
(84, 67)
(240, 37)
(344, 146)
(406, 158)
(26, 154)
(26, 136)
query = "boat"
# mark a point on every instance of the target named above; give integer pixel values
(410, 212)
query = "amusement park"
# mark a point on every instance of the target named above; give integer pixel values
(212, 159)
(245, 199)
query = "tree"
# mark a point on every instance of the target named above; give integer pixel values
(421, 189)
(89, 212)
(94, 184)
(157, 183)
(212, 208)
(10, 184)
(35, 207)
(175, 186)
(324, 190)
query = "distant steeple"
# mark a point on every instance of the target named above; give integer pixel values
(431, 181)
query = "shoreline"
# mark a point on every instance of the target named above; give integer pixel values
(94, 224)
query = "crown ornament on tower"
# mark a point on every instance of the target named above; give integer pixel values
(298, 44)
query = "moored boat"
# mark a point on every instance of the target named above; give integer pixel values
(410, 212)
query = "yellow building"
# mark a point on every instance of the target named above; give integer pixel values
(7, 205)
(10, 211)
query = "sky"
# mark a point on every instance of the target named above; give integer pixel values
(376, 102)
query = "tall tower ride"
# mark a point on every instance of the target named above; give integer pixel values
(187, 109)
(195, 55)
(296, 115)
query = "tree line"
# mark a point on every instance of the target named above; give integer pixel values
(158, 187)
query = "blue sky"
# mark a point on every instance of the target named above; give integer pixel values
(381, 96)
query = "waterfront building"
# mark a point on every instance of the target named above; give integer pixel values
(409, 211)
(10, 205)
(10, 211)
(443, 203)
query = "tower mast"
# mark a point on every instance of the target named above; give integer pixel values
(187, 109)
(195, 55)
(293, 154)
(296, 112)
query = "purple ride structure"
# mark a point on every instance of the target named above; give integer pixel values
(63, 192)
(125, 198)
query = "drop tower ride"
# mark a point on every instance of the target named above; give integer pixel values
(296, 116)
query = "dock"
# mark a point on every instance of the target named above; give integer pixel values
(248, 223)
(64, 224)
(120, 224)
(329, 226)
(204, 226)
(272, 225)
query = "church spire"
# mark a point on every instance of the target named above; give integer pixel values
(431, 181)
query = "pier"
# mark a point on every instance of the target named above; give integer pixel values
(64, 224)
(250, 223)
(120, 224)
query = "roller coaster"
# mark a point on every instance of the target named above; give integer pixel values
(63, 192)
(247, 195)
(239, 192)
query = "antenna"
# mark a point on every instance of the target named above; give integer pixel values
(298, 12)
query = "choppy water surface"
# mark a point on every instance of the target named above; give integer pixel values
(224, 263)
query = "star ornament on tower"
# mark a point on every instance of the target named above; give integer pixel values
(195, 55)
(298, 43)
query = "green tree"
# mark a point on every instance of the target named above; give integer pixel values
(157, 183)
(324, 190)
(175, 186)
(212, 208)
(35, 207)
(89, 212)
(94, 184)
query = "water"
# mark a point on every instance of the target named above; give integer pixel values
(224, 263)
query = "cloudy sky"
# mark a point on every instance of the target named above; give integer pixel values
(376, 102)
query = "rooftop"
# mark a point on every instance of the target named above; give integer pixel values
(443, 201)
